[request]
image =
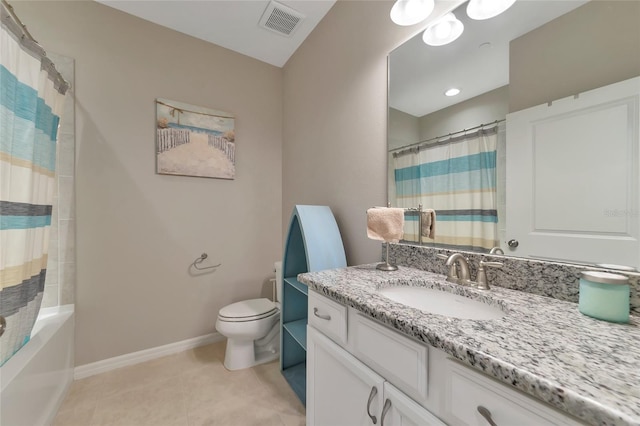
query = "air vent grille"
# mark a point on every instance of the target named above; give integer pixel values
(280, 19)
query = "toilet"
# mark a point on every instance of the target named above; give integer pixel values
(252, 329)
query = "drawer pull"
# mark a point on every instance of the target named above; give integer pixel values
(321, 316)
(486, 414)
(374, 392)
(387, 407)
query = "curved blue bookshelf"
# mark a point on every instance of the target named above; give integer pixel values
(313, 244)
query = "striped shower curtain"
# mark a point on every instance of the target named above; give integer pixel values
(30, 103)
(456, 178)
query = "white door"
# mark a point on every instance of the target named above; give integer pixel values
(341, 391)
(572, 177)
(400, 410)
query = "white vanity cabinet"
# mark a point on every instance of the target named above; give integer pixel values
(342, 390)
(360, 372)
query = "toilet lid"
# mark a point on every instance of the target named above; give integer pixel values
(248, 309)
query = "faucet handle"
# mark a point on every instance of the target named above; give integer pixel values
(481, 279)
(452, 276)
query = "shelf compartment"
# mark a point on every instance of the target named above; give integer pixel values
(296, 376)
(293, 281)
(298, 330)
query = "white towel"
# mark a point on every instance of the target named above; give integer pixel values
(385, 224)
(429, 223)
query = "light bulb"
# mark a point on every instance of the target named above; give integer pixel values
(486, 9)
(444, 31)
(410, 12)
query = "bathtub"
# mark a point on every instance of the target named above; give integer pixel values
(34, 382)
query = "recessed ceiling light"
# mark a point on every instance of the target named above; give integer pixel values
(485, 45)
(452, 92)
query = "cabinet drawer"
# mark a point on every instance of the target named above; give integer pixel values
(328, 316)
(467, 390)
(402, 361)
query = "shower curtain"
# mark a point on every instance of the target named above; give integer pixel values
(456, 178)
(31, 99)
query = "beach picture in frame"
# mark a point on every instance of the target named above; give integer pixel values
(194, 141)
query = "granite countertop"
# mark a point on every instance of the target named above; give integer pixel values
(542, 346)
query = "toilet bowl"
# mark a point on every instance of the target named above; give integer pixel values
(252, 329)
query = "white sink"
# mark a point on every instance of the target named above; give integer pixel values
(442, 303)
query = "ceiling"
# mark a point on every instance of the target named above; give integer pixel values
(232, 24)
(420, 74)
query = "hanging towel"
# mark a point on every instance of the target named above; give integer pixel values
(385, 224)
(429, 223)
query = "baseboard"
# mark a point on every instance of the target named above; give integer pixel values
(133, 358)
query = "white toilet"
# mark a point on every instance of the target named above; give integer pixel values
(252, 329)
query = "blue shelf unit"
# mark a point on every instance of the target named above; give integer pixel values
(313, 244)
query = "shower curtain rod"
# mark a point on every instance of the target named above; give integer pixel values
(426, 141)
(19, 30)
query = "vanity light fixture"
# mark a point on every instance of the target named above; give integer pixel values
(443, 31)
(485, 9)
(452, 92)
(410, 12)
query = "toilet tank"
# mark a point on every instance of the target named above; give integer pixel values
(278, 267)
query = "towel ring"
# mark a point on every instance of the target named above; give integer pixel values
(201, 259)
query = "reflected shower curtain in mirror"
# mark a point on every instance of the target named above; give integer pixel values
(30, 103)
(456, 178)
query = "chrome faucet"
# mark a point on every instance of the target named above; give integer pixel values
(496, 250)
(458, 269)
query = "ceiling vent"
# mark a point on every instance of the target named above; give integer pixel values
(281, 19)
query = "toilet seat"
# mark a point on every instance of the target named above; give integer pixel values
(248, 310)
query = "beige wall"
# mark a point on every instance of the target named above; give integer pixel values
(335, 109)
(482, 109)
(139, 231)
(594, 45)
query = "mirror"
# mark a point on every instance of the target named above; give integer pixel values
(537, 52)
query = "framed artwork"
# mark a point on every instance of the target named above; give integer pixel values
(194, 141)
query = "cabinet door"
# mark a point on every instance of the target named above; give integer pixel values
(400, 410)
(341, 391)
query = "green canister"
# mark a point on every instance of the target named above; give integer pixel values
(604, 296)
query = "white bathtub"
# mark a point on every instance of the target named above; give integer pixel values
(34, 382)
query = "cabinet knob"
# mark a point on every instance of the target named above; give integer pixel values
(484, 412)
(374, 392)
(387, 407)
(513, 243)
(321, 316)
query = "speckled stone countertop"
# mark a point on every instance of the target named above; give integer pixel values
(542, 346)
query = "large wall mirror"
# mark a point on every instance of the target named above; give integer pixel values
(465, 156)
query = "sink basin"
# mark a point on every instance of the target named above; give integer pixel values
(442, 303)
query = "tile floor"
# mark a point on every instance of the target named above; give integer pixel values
(190, 388)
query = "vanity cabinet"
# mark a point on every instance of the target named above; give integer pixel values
(313, 243)
(360, 372)
(351, 377)
(344, 391)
